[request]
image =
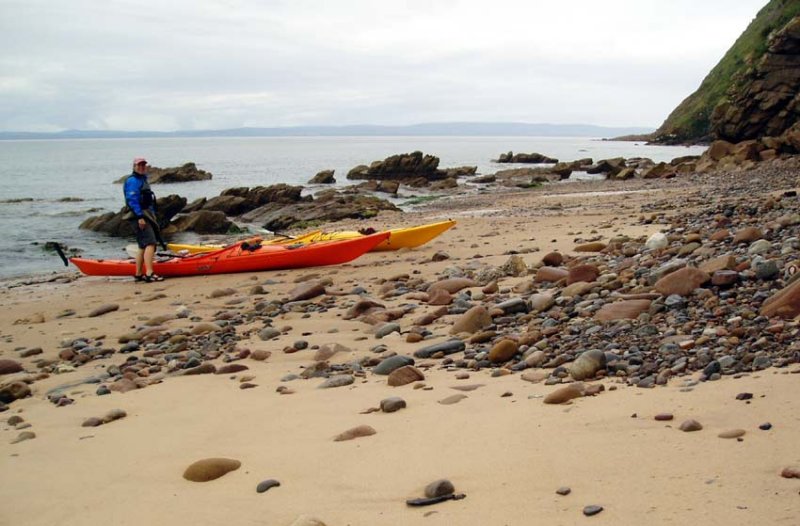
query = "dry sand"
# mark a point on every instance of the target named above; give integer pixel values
(507, 454)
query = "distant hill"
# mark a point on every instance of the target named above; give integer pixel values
(749, 92)
(469, 129)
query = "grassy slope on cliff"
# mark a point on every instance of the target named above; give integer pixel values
(691, 119)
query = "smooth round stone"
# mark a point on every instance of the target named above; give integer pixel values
(339, 380)
(732, 433)
(691, 425)
(564, 490)
(440, 487)
(392, 404)
(264, 485)
(664, 417)
(765, 426)
(592, 510)
(210, 469)
(393, 362)
(387, 329)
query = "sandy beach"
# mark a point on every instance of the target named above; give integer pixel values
(500, 445)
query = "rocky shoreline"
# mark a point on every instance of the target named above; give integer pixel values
(600, 289)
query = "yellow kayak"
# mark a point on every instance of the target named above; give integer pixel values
(398, 238)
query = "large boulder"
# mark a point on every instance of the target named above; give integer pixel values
(328, 205)
(530, 158)
(176, 174)
(115, 225)
(202, 222)
(406, 166)
(240, 200)
(323, 177)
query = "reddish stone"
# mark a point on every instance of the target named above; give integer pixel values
(587, 273)
(622, 310)
(785, 303)
(550, 274)
(682, 281)
(724, 278)
(748, 235)
(553, 259)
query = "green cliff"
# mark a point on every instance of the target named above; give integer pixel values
(753, 91)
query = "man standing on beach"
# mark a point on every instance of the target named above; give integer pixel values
(141, 204)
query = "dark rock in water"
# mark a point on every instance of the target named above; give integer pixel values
(10, 367)
(265, 485)
(393, 362)
(323, 177)
(392, 404)
(188, 172)
(115, 225)
(448, 347)
(210, 469)
(592, 510)
(438, 488)
(407, 167)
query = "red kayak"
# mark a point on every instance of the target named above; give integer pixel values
(246, 256)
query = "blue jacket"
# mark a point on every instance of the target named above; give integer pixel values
(138, 195)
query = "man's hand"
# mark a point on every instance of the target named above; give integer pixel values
(142, 223)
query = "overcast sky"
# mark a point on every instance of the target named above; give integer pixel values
(207, 64)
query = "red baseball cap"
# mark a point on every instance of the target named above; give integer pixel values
(139, 160)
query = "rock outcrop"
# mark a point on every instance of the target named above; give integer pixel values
(178, 174)
(114, 224)
(752, 92)
(329, 205)
(530, 158)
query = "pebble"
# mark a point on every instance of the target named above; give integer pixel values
(791, 472)
(691, 425)
(339, 380)
(265, 485)
(564, 490)
(565, 394)
(307, 520)
(732, 433)
(438, 488)
(103, 309)
(592, 510)
(452, 399)
(664, 417)
(392, 404)
(210, 469)
(25, 435)
(405, 375)
(355, 432)
(10, 367)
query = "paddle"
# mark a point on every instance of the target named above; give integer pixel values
(57, 246)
